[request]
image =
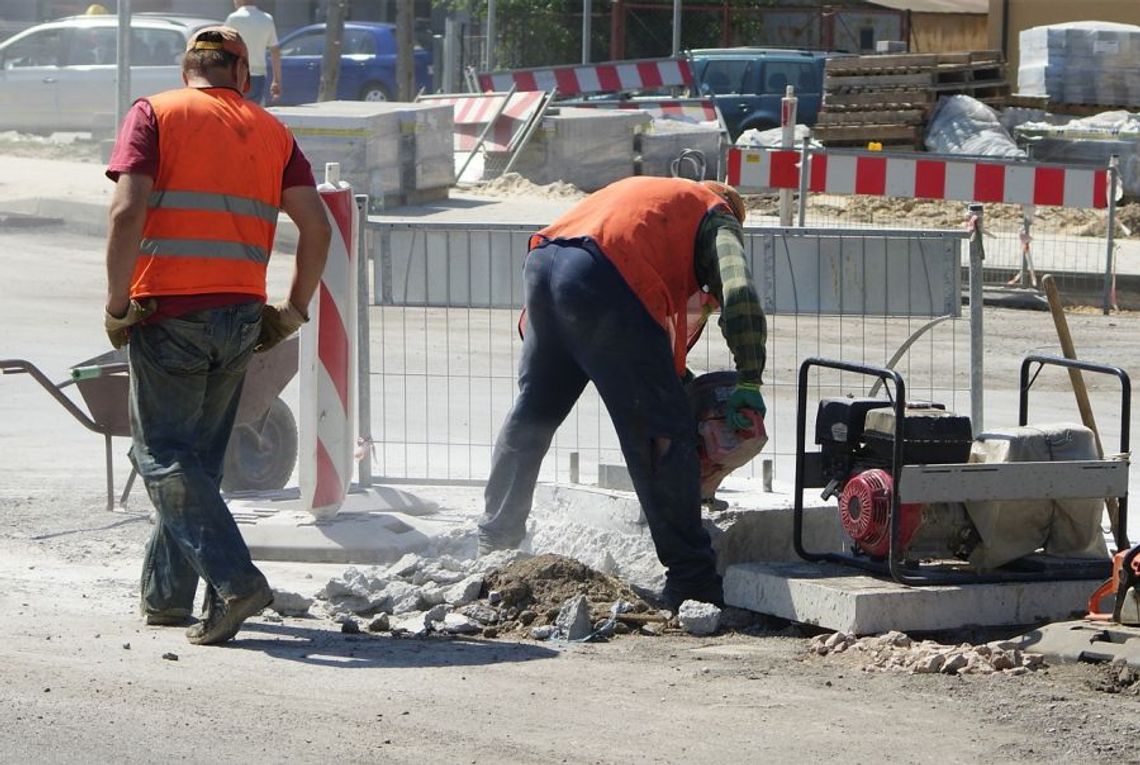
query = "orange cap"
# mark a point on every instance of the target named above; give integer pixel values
(221, 38)
(731, 197)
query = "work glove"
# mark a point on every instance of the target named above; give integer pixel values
(744, 396)
(118, 327)
(278, 321)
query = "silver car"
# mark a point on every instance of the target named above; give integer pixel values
(62, 75)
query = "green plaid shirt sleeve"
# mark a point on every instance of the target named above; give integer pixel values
(720, 264)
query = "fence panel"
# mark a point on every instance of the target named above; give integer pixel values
(445, 343)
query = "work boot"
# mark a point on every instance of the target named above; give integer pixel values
(171, 617)
(223, 620)
(674, 595)
(488, 546)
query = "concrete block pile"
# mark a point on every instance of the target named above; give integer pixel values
(589, 148)
(397, 153)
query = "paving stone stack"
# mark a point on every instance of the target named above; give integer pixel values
(1084, 63)
(887, 99)
(588, 148)
(664, 141)
(397, 153)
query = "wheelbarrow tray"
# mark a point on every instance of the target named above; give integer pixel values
(103, 382)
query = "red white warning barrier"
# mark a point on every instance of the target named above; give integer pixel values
(509, 112)
(913, 177)
(608, 77)
(686, 109)
(328, 362)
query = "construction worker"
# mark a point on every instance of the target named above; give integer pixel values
(200, 174)
(616, 290)
(258, 30)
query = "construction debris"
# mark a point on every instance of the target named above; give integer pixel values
(897, 652)
(699, 618)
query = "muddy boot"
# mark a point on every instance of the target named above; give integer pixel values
(223, 620)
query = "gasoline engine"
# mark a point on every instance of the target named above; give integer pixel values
(856, 439)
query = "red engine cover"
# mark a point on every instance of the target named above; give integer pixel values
(864, 507)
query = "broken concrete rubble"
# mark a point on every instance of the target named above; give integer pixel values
(897, 652)
(574, 622)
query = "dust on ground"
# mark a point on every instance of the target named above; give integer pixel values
(515, 185)
(74, 147)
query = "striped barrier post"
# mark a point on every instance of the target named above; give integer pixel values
(328, 361)
(607, 77)
(909, 177)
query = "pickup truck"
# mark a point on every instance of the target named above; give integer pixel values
(748, 83)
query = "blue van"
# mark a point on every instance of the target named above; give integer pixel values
(748, 83)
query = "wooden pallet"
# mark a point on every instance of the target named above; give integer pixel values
(872, 117)
(883, 133)
(851, 65)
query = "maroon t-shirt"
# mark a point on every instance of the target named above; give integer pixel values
(136, 153)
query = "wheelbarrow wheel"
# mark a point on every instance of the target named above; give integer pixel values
(262, 453)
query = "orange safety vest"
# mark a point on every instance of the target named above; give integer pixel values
(213, 209)
(647, 227)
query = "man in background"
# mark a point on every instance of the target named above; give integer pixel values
(257, 29)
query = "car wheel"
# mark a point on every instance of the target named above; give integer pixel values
(374, 91)
(261, 454)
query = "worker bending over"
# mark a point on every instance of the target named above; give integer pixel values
(616, 292)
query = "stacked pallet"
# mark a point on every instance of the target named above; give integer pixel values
(887, 99)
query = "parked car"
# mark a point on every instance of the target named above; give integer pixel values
(61, 75)
(748, 84)
(367, 63)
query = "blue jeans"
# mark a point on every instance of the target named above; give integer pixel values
(256, 89)
(584, 323)
(186, 377)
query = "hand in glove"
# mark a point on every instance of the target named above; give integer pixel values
(278, 321)
(118, 327)
(744, 396)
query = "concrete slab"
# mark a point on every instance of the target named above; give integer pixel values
(1069, 642)
(374, 526)
(838, 598)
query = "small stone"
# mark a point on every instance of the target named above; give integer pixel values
(490, 632)
(170, 656)
(834, 639)
(621, 628)
(350, 627)
(464, 591)
(574, 618)
(526, 617)
(897, 639)
(545, 632)
(699, 618)
(1001, 660)
(458, 624)
(485, 615)
(289, 603)
(1015, 671)
(126, 646)
(494, 597)
(379, 624)
(953, 663)
(930, 664)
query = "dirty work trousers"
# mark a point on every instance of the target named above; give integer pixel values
(584, 323)
(186, 378)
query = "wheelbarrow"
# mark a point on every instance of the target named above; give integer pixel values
(262, 450)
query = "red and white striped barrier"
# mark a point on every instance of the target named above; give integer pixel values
(608, 77)
(912, 177)
(473, 112)
(685, 109)
(328, 362)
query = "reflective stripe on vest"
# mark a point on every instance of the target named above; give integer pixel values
(647, 227)
(212, 214)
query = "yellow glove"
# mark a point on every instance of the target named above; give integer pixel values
(278, 321)
(118, 327)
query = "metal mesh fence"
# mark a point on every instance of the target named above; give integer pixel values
(445, 344)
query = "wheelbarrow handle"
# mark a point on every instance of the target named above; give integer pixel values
(20, 366)
(91, 372)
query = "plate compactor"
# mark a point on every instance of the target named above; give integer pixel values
(923, 501)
